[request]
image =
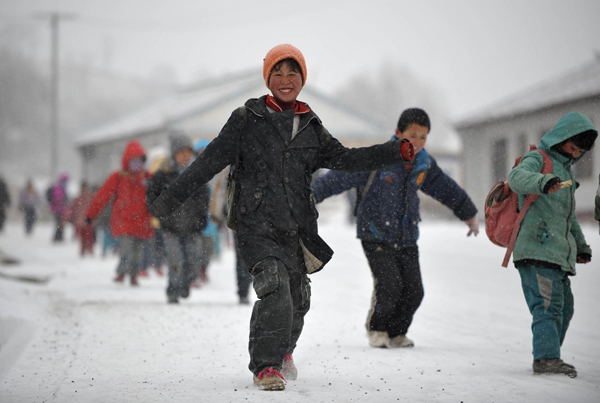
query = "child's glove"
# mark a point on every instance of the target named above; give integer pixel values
(584, 258)
(407, 151)
(164, 205)
(553, 185)
(473, 226)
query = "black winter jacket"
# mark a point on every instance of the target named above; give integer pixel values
(276, 212)
(191, 217)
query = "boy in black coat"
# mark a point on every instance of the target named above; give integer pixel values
(281, 143)
(182, 231)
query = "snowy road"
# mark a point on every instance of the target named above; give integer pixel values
(81, 338)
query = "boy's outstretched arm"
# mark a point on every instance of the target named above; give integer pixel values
(336, 182)
(333, 155)
(445, 190)
(217, 155)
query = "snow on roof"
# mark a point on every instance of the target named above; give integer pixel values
(579, 83)
(207, 105)
(158, 115)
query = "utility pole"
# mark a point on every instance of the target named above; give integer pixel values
(55, 19)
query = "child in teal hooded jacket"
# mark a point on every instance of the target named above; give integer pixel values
(550, 241)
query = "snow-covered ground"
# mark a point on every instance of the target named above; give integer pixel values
(79, 337)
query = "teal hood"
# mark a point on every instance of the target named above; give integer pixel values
(568, 126)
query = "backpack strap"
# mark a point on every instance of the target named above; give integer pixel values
(529, 199)
(369, 182)
(360, 194)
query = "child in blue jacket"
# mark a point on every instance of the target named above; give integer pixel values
(387, 224)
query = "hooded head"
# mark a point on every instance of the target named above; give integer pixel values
(573, 126)
(133, 149)
(63, 178)
(181, 149)
(179, 142)
(279, 53)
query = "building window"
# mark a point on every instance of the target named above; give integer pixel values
(584, 168)
(499, 169)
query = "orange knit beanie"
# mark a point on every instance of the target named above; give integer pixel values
(279, 53)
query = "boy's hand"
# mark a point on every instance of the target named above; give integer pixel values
(553, 185)
(407, 151)
(584, 258)
(164, 205)
(473, 226)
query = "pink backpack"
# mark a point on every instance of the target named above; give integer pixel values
(502, 215)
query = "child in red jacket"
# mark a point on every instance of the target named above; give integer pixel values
(76, 214)
(130, 219)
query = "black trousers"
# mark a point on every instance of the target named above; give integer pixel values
(398, 287)
(58, 234)
(244, 279)
(278, 316)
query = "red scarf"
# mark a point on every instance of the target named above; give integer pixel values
(298, 107)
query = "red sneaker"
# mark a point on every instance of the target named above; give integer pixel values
(142, 273)
(203, 275)
(119, 278)
(270, 379)
(134, 282)
(160, 272)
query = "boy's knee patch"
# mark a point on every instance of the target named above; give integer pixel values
(265, 277)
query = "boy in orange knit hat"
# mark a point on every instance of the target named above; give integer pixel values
(276, 143)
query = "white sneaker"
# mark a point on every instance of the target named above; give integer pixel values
(378, 339)
(401, 341)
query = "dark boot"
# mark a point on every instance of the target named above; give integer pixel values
(554, 366)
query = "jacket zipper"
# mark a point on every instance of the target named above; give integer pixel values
(569, 219)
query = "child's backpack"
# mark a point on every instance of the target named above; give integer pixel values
(502, 215)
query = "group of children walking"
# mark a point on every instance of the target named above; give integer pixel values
(275, 144)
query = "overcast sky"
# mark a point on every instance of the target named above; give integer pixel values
(473, 52)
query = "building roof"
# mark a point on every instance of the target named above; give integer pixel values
(204, 108)
(579, 83)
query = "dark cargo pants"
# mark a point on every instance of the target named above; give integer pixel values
(183, 256)
(398, 287)
(278, 315)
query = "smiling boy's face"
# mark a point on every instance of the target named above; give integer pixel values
(285, 83)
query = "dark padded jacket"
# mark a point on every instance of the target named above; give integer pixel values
(275, 210)
(389, 211)
(190, 218)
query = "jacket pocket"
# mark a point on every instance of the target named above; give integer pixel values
(265, 277)
(250, 199)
